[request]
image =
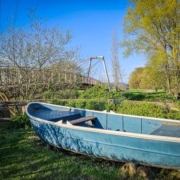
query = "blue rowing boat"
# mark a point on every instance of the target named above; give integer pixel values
(137, 139)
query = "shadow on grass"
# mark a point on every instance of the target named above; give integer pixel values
(24, 156)
(151, 96)
(138, 96)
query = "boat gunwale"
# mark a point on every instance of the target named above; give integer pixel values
(117, 114)
(106, 131)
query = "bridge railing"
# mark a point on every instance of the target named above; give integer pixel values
(10, 76)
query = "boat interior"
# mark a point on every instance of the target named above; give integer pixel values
(104, 120)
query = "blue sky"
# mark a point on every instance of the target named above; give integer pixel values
(91, 22)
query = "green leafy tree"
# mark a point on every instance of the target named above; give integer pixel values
(136, 78)
(151, 78)
(152, 27)
(148, 77)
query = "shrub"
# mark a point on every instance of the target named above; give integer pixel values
(142, 109)
(147, 109)
(110, 106)
(58, 102)
(90, 104)
(20, 121)
(47, 95)
(80, 103)
(71, 103)
(87, 104)
(98, 92)
(177, 104)
(124, 107)
(61, 94)
(173, 115)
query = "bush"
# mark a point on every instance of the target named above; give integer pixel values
(124, 107)
(173, 115)
(147, 109)
(47, 95)
(99, 105)
(110, 106)
(20, 121)
(91, 104)
(80, 103)
(98, 92)
(61, 94)
(71, 103)
(142, 109)
(58, 102)
(177, 104)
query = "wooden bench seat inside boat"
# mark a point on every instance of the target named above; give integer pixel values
(84, 119)
(166, 130)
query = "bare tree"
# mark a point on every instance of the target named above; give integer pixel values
(28, 53)
(117, 73)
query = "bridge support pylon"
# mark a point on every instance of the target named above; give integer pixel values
(105, 69)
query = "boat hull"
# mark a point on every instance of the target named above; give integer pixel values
(121, 146)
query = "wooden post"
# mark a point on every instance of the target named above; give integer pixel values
(23, 109)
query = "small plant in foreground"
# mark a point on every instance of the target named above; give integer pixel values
(20, 121)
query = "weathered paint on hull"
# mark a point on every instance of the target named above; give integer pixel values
(114, 146)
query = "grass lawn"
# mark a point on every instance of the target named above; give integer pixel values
(148, 96)
(144, 90)
(134, 90)
(24, 156)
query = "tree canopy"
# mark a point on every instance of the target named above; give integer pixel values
(147, 78)
(152, 27)
(135, 78)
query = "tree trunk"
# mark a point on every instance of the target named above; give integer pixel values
(168, 81)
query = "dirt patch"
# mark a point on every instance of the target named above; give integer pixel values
(34, 138)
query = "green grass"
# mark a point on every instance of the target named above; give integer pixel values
(134, 90)
(148, 96)
(23, 156)
(97, 92)
(144, 90)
